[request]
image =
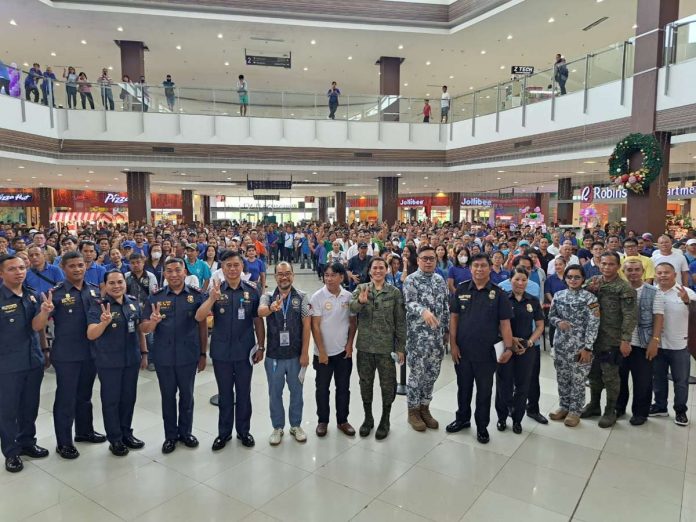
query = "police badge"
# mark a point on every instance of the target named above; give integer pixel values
(189, 299)
(491, 295)
(529, 308)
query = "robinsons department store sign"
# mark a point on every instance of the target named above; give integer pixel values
(590, 193)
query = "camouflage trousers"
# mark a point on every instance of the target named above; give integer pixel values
(383, 363)
(424, 368)
(570, 376)
(604, 374)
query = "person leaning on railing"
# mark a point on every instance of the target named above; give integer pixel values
(85, 90)
(107, 96)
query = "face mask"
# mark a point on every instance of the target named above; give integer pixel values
(463, 259)
(156, 256)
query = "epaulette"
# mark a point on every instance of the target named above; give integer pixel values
(195, 290)
(29, 287)
(159, 290)
(91, 285)
(58, 286)
(131, 297)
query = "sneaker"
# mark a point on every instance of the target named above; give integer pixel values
(681, 419)
(275, 437)
(656, 412)
(298, 433)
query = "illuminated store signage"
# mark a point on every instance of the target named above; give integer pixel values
(115, 198)
(412, 202)
(476, 202)
(16, 197)
(589, 193)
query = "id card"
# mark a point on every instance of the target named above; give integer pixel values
(240, 313)
(285, 338)
(131, 326)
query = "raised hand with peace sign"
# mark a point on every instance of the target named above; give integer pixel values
(215, 291)
(156, 316)
(106, 313)
(363, 296)
(47, 305)
(277, 304)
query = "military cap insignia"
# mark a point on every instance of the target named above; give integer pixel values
(189, 299)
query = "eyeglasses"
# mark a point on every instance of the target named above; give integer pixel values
(283, 274)
(573, 277)
(427, 259)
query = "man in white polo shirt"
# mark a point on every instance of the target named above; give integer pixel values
(333, 329)
(673, 256)
(673, 353)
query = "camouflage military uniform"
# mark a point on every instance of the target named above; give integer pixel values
(424, 345)
(581, 310)
(381, 330)
(617, 301)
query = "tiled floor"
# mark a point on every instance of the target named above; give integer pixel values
(548, 473)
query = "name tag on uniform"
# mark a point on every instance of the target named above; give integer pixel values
(284, 338)
(240, 313)
(131, 326)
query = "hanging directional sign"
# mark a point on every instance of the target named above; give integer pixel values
(269, 61)
(522, 69)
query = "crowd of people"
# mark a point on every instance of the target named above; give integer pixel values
(114, 299)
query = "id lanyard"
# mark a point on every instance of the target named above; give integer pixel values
(286, 308)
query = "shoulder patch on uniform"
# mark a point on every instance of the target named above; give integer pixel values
(593, 305)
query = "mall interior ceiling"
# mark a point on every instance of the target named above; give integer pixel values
(206, 49)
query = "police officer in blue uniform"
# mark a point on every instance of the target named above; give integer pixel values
(480, 316)
(235, 305)
(181, 346)
(72, 358)
(120, 351)
(21, 363)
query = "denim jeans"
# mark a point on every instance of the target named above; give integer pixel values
(679, 363)
(278, 372)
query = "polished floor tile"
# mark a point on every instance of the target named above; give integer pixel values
(548, 473)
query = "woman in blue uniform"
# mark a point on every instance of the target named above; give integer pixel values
(512, 379)
(120, 351)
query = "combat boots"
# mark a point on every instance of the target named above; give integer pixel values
(428, 419)
(609, 418)
(592, 408)
(415, 419)
(383, 428)
(369, 421)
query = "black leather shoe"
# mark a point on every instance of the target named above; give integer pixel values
(118, 448)
(516, 428)
(68, 452)
(94, 438)
(501, 425)
(168, 446)
(457, 425)
(14, 464)
(637, 420)
(133, 443)
(538, 417)
(247, 440)
(189, 441)
(35, 452)
(220, 442)
(482, 436)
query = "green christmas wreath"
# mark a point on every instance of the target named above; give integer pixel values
(639, 180)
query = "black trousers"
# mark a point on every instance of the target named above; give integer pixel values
(641, 373)
(5, 84)
(118, 390)
(28, 91)
(19, 407)
(73, 401)
(534, 391)
(233, 377)
(482, 373)
(340, 369)
(173, 379)
(86, 96)
(512, 384)
(333, 106)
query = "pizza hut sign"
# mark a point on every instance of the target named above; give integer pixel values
(16, 197)
(114, 198)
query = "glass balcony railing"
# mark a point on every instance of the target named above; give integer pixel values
(612, 64)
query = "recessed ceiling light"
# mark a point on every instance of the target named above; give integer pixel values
(501, 171)
(86, 186)
(400, 46)
(425, 177)
(314, 173)
(600, 1)
(580, 172)
(119, 29)
(350, 57)
(552, 20)
(306, 180)
(306, 69)
(398, 173)
(406, 84)
(497, 178)
(220, 35)
(313, 42)
(59, 174)
(111, 68)
(12, 22)
(483, 51)
(9, 179)
(427, 63)
(178, 48)
(635, 26)
(83, 42)
(555, 175)
(471, 87)
(115, 179)
(451, 77)
(502, 67)
(126, 170)
(86, 181)
(53, 53)
(90, 172)
(26, 64)
(229, 179)
(227, 64)
(20, 166)
(427, 94)
(33, 177)
(589, 162)
(403, 182)
(224, 171)
(509, 37)
(515, 182)
(183, 173)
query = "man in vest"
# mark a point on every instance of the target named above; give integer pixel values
(289, 327)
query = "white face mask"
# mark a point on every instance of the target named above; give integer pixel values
(462, 259)
(156, 256)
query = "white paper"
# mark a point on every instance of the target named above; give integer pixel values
(301, 375)
(499, 350)
(252, 353)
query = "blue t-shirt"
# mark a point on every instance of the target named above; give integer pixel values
(499, 277)
(40, 280)
(459, 274)
(333, 95)
(554, 284)
(255, 268)
(692, 271)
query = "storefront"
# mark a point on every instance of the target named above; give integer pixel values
(420, 208)
(246, 208)
(19, 206)
(599, 205)
(362, 209)
(495, 207)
